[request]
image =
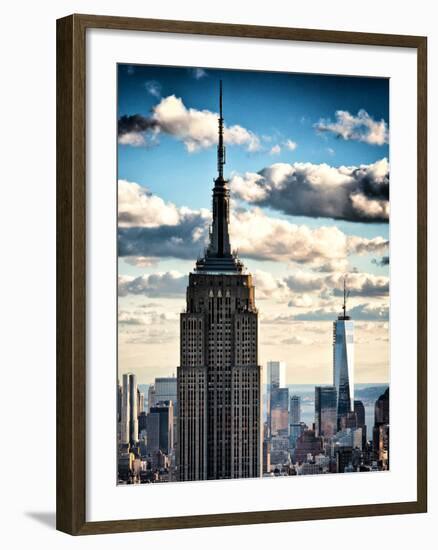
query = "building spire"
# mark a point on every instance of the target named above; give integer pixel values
(220, 146)
(218, 257)
(344, 303)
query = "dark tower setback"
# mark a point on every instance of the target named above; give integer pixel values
(219, 380)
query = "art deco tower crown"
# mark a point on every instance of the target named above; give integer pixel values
(218, 257)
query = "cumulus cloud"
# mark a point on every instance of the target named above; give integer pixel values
(360, 127)
(352, 193)
(275, 150)
(137, 130)
(196, 129)
(316, 296)
(168, 284)
(150, 227)
(325, 286)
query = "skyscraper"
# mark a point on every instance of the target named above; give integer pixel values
(133, 410)
(129, 412)
(279, 403)
(381, 429)
(295, 409)
(219, 379)
(343, 361)
(381, 409)
(325, 411)
(359, 409)
(164, 411)
(165, 389)
(276, 378)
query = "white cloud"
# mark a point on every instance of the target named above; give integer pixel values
(291, 145)
(138, 207)
(196, 129)
(324, 286)
(360, 127)
(168, 284)
(135, 139)
(354, 193)
(258, 236)
(150, 227)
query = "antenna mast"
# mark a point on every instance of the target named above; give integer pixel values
(344, 305)
(220, 147)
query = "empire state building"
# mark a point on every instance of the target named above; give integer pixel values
(219, 379)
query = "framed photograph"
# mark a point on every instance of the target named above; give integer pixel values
(241, 274)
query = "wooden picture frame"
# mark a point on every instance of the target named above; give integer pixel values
(71, 274)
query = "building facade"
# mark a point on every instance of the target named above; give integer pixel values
(164, 411)
(165, 389)
(219, 379)
(279, 411)
(129, 410)
(295, 409)
(325, 411)
(343, 362)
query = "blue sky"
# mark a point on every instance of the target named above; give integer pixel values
(278, 105)
(290, 135)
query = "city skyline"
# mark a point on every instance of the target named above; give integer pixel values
(297, 290)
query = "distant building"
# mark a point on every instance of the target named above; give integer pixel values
(119, 402)
(350, 437)
(295, 431)
(309, 468)
(307, 444)
(125, 466)
(382, 445)
(359, 409)
(164, 410)
(151, 397)
(325, 411)
(343, 459)
(343, 361)
(129, 414)
(275, 379)
(295, 410)
(142, 423)
(381, 430)
(348, 420)
(165, 389)
(381, 409)
(153, 433)
(279, 450)
(279, 417)
(276, 374)
(266, 456)
(140, 402)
